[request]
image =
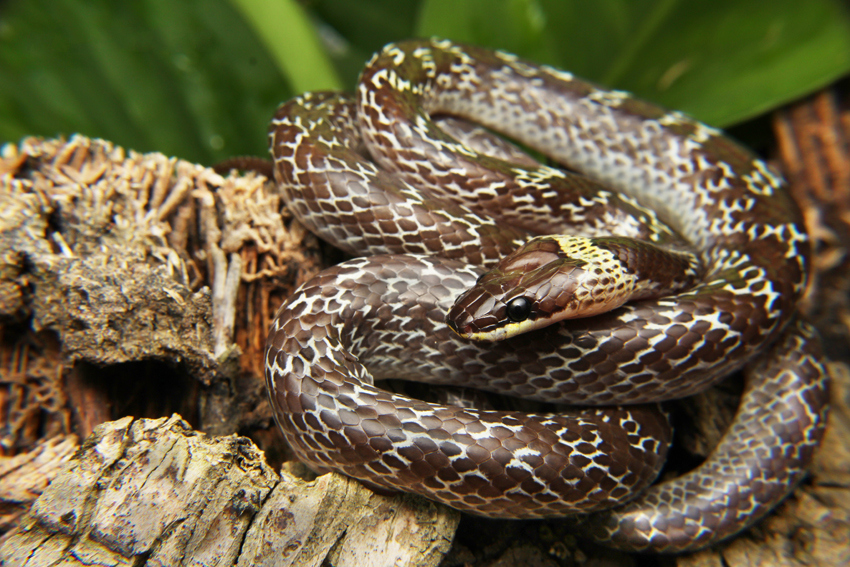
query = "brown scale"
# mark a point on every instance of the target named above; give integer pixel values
(650, 350)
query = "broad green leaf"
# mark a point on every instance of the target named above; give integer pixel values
(291, 39)
(201, 78)
(518, 26)
(720, 60)
(186, 78)
(353, 31)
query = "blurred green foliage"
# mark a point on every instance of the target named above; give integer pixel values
(200, 78)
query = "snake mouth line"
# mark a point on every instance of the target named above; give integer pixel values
(491, 335)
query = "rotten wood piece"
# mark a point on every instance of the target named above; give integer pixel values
(156, 491)
(112, 257)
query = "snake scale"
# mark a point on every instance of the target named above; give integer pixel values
(375, 175)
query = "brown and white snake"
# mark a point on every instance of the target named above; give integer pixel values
(377, 177)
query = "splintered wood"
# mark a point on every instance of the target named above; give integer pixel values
(113, 257)
(814, 145)
(125, 240)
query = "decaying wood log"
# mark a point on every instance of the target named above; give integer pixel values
(143, 285)
(157, 490)
(25, 476)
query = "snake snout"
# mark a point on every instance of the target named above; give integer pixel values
(475, 315)
(462, 331)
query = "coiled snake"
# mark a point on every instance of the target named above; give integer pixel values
(376, 175)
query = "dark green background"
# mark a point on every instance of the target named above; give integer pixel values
(200, 79)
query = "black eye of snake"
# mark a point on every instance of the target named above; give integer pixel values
(519, 308)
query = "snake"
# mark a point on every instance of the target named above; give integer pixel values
(436, 220)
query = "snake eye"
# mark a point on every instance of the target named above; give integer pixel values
(518, 309)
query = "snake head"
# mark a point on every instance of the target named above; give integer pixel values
(549, 279)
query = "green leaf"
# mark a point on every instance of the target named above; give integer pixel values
(720, 60)
(518, 26)
(200, 79)
(354, 31)
(186, 78)
(296, 49)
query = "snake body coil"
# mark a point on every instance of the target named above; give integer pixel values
(387, 313)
